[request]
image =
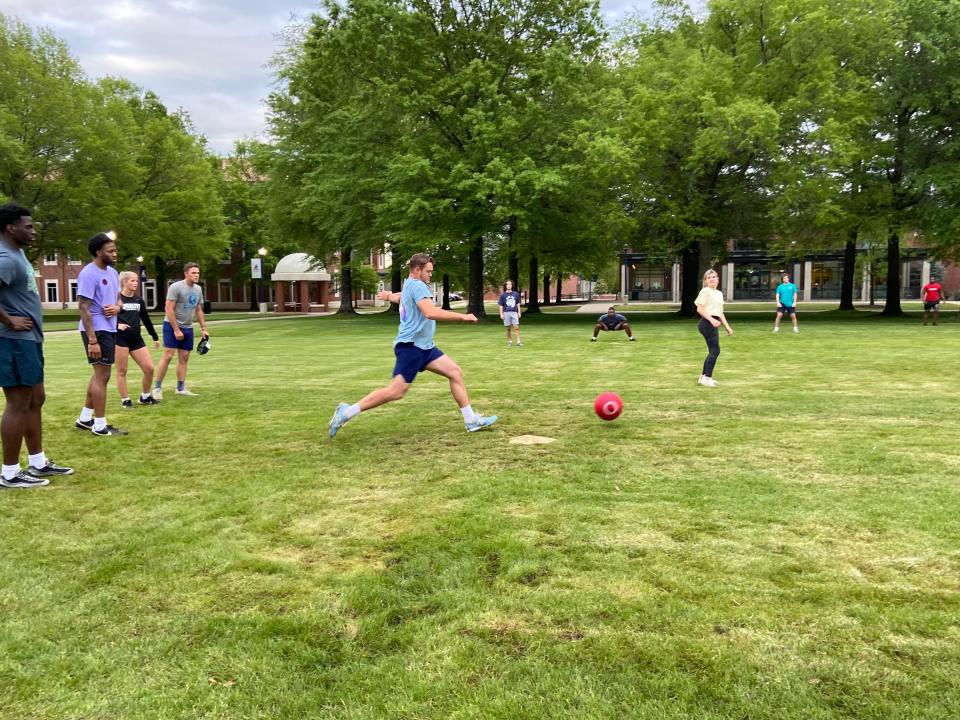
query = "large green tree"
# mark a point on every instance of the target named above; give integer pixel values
(431, 123)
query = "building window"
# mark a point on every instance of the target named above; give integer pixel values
(71, 260)
(50, 259)
(73, 291)
(225, 290)
(149, 291)
(52, 291)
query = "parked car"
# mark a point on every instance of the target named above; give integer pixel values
(456, 296)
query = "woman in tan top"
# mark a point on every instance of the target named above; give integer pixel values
(710, 309)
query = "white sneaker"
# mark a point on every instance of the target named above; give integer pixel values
(776, 329)
(796, 330)
(187, 391)
(707, 381)
(519, 344)
(157, 394)
(509, 343)
(593, 339)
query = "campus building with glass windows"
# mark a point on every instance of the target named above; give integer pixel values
(754, 275)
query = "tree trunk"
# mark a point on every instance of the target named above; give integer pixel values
(849, 267)
(160, 268)
(546, 288)
(533, 299)
(690, 282)
(892, 306)
(514, 270)
(396, 282)
(559, 287)
(475, 302)
(445, 299)
(346, 283)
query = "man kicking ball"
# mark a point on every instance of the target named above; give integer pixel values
(415, 351)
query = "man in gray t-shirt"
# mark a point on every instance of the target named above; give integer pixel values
(184, 302)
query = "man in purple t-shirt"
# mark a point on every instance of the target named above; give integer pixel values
(98, 292)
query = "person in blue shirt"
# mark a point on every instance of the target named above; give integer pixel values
(415, 351)
(610, 321)
(786, 303)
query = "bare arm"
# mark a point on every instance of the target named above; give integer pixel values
(393, 297)
(93, 346)
(15, 322)
(203, 320)
(432, 312)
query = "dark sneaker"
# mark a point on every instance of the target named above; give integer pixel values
(148, 400)
(49, 470)
(83, 424)
(23, 480)
(110, 430)
(126, 404)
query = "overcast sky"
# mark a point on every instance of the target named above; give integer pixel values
(208, 57)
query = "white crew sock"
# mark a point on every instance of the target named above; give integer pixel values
(352, 411)
(10, 471)
(99, 423)
(468, 414)
(37, 461)
(144, 396)
(86, 414)
(127, 399)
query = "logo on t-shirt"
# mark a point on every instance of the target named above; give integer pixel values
(103, 281)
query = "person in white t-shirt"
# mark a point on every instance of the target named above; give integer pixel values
(710, 309)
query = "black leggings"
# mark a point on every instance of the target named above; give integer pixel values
(712, 336)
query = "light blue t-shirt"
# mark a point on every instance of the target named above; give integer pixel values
(414, 326)
(786, 292)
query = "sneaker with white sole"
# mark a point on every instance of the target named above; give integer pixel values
(338, 420)
(126, 404)
(83, 424)
(796, 330)
(157, 394)
(148, 400)
(480, 422)
(519, 344)
(23, 480)
(187, 391)
(776, 329)
(707, 381)
(593, 339)
(49, 470)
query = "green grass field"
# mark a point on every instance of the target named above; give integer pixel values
(784, 546)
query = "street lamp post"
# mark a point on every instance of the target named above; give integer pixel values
(262, 252)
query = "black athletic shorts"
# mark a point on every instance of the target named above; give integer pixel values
(108, 345)
(130, 339)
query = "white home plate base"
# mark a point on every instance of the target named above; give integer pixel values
(530, 440)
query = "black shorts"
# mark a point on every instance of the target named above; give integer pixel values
(108, 345)
(931, 305)
(786, 310)
(130, 339)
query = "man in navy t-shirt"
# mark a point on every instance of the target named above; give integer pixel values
(510, 312)
(611, 321)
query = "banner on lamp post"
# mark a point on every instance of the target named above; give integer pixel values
(256, 271)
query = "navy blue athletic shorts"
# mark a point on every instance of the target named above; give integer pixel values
(411, 360)
(21, 363)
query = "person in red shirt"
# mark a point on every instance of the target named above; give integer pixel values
(932, 294)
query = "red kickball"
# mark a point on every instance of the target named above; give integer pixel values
(608, 406)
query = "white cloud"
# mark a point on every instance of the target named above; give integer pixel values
(209, 57)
